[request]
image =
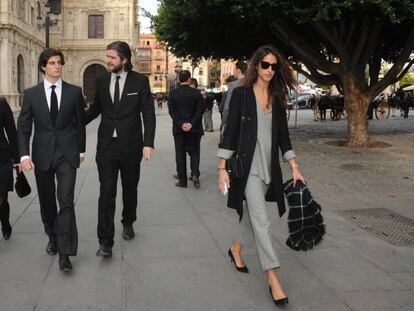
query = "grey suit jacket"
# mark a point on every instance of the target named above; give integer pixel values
(231, 87)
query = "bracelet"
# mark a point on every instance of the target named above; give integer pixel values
(294, 166)
(221, 168)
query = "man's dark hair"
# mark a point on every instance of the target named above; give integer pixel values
(194, 82)
(45, 55)
(183, 76)
(242, 66)
(124, 52)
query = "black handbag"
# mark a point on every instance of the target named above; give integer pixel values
(22, 185)
(234, 165)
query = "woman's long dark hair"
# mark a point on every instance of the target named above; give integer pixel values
(282, 82)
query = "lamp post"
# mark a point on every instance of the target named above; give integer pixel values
(47, 22)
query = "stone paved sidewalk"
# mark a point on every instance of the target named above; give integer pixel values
(178, 260)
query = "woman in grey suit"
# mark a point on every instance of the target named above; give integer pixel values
(9, 154)
(260, 104)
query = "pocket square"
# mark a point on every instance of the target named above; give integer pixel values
(130, 94)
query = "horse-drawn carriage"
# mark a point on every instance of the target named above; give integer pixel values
(402, 99)
(321, 103)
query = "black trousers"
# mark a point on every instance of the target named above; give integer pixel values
(4, 212)
(187, 142)
(112, 161)
(59, 226)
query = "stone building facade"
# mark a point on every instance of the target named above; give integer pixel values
(21, 42)
(152, 61)
(84, 31)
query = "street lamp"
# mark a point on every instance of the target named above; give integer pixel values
(46, 22)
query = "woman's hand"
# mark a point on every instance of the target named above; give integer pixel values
(223, 180)
(296, 175)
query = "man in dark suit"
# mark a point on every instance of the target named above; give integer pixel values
(56, 110)
(122, 95)
(185, 106)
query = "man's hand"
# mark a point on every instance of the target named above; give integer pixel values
(82, 159)
(27, 165)
(186, 127)
(147, 153)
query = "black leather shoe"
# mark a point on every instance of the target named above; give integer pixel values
(180, 184)
(279, 302)
(104, 251)
(128, 233)
(64, 263)
(240, 269)
(196, 182)
(51, 248)
(176, 177)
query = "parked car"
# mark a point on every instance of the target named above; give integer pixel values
(302, 101)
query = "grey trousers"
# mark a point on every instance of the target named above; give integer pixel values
(208, 121)
(256, 224)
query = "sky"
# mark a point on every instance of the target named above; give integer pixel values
(151, 6)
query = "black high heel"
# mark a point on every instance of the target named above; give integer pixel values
(240, 269)
(279, 302)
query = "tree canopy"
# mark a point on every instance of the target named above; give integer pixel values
(337, 41)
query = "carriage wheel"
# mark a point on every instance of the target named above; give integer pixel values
(335, 114)
(383, 110)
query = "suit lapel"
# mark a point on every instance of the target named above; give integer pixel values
(107, 95)
(43, 102)
(63, 100)
(127, 85)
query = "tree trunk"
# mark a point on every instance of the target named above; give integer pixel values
(356, 105)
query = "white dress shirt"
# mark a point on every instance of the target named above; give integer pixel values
(48, 91)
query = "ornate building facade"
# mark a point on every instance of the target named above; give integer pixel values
(21, 42)
(152, 61)
(84, 31)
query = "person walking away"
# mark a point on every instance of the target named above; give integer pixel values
(185, 106)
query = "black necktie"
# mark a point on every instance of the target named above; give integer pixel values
(116, 93)
(53, 105)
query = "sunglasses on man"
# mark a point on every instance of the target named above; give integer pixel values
(265, 65)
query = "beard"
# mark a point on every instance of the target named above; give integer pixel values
(117, 69)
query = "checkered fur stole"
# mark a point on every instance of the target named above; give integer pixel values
(305, 222)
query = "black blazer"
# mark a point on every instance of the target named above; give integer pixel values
(185, 104)
(280, 139)
(8, 146)
(136, 99)
(69, 133)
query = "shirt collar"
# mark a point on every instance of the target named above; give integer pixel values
(122, 73)
(48, 84)
(241, 76)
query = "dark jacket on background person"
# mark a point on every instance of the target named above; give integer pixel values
(186, 104)
(280, 139)
(8, 146)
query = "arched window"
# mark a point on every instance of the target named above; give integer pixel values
(20, 77)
